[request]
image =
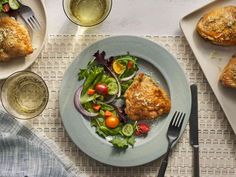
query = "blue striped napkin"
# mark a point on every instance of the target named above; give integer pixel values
(24, 154)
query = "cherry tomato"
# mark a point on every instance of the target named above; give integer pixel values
(96, 107)
(101, 89)
(142, 129)
(90, 92)
(130, 64)
(108, 114)
(6, 7)
(112, 122)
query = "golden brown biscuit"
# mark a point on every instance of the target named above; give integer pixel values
(228, 76)
(14, 39)
(145, 99)
(219, 26)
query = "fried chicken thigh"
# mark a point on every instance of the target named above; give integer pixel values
(228, 75)
(14, 39)
(145, 99)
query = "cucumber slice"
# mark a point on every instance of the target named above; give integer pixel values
(14, 5)
(128, 130)
(112, 88)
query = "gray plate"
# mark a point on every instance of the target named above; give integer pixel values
(154, 60)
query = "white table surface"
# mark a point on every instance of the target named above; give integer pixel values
(136, 17)
(133, 17)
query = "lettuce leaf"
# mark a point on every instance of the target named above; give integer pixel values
(123, 143)
(91, 75)
(131, 140)
(120, 143)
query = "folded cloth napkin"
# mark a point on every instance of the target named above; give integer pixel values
(24, 154)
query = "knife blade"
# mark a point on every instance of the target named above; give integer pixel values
(193, 123)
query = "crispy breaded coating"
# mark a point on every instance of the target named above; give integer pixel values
(228, 76)
(145, 99)
(14, 39)
(219, 26)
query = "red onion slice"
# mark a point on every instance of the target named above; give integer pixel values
(111, 99)
(129, 77)
(78, 105)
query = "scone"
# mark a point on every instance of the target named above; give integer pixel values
(228, 76)
(145, 99)
(219, 26)
(14, 39)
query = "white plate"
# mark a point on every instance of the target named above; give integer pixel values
(37, 38)
(212, 58)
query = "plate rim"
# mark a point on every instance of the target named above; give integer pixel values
(185, 80)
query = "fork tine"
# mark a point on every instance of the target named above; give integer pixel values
(29, 23)
(181, 120)
(178, 119)
(173, 118)
(34, 24)
(181, 123)
(36, 21)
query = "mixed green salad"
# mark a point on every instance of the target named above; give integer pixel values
(8, 5)
(101, 98)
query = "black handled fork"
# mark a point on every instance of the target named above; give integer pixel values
(172, 135)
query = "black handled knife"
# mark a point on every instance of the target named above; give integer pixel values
(193, 123)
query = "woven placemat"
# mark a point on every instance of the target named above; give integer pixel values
(217, 140)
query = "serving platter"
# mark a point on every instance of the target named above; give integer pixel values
(212, 58)
(153, 60)
(37, 37)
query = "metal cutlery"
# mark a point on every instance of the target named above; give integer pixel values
(29, 17)
(172, 135)
(193, 123)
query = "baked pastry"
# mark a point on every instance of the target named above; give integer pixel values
(219, 26)
(228, 76)
(14, 39)
(145, 99)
